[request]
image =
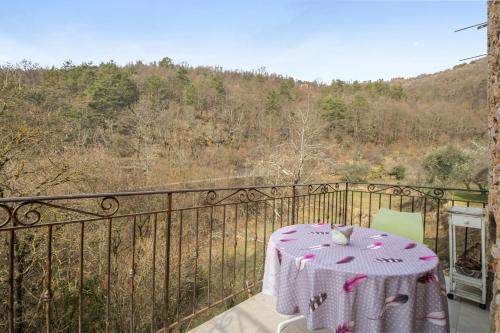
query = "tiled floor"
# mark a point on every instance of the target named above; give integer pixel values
(258, 315)
(467, 317)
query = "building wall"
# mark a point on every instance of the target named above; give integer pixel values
(494, 130)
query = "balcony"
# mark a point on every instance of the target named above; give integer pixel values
(173, 259)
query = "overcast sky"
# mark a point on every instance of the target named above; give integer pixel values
(324, 40)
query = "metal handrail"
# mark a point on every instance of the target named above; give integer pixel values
(166, 191)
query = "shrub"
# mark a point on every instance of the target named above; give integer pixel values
(356, 173)
(376, 172)
(447, 165)
(398, 172)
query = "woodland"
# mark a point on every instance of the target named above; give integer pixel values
(104, 127)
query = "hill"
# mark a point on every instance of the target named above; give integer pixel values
(105, 127)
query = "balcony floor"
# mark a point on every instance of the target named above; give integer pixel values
(258, 315)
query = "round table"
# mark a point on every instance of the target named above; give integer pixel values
(378, 283)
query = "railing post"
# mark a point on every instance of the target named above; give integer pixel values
(12, 311)
(167, 261)
(132, 279)
(345, 201)
(293, 204)
(47, 295)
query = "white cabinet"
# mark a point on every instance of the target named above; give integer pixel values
(464, 283)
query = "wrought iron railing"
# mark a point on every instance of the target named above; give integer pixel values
(168, 260)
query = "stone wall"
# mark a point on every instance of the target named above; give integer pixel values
(494, 130)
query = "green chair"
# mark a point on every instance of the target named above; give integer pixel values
(407, 225)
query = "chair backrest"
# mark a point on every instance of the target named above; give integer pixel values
(407, 225)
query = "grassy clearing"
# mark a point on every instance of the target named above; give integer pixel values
(471, 196)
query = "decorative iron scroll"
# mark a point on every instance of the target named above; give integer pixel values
(30, 213)
(8, 213)
(323, 188)
(242, 195)
(434, 193)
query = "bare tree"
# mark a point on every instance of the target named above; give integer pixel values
(300, 157)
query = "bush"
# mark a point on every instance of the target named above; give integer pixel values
(376, 172)
(356, 173)
(448, 164)
(398, 172)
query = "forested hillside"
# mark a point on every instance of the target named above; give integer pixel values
(105, 127)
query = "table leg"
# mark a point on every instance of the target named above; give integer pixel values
(283, 324)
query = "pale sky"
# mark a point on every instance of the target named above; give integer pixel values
(324, 40)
